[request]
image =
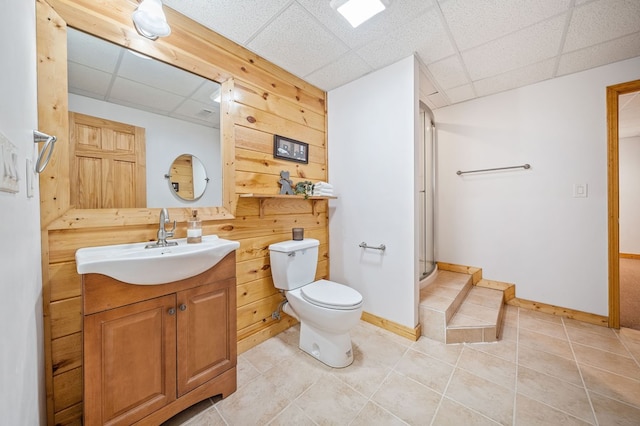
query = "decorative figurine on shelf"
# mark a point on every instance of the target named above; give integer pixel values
(304, 188)
(285, 183)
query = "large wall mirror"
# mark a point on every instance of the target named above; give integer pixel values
(178, 111)
(181, 95)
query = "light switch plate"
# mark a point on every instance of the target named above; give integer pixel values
(580, 190)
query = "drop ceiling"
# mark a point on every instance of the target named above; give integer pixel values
(466, 49)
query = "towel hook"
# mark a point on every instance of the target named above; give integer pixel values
(49, 143)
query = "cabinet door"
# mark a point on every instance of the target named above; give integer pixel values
(206, 333)
(129, 361)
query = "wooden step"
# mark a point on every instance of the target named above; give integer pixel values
(452, 310)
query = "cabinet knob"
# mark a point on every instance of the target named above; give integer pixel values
(171, 311)
(183, 307)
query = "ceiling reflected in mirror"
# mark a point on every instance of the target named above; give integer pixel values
(111, 73)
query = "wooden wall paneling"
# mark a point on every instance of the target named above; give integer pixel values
(66, 353)
(278, 103)
(67, 389)
(66, 317)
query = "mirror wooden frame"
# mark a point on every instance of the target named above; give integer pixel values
(188, 48)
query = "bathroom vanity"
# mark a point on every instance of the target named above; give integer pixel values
(150, 351)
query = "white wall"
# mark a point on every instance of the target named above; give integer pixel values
(21, 340)
(526, 227)
(629, 195)
(372, 129)
(166, 139)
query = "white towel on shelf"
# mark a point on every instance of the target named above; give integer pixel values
(322, 185)
(322, 193)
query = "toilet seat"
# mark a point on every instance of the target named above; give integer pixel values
(328, 294)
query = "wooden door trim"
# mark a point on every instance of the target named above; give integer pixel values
(614, 196)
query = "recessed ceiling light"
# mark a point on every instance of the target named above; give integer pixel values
(358, 11)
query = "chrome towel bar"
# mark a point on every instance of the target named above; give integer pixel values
(364, 245)
(524, 166)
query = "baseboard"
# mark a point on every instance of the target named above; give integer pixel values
(629, 256)
(560, 311)
(399, 329)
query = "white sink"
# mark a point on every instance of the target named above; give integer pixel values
(135, 264)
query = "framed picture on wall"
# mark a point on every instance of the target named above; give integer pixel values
(291, 150)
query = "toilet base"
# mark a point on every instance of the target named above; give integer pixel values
(332, 349)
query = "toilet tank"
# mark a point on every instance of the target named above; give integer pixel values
(294, 263)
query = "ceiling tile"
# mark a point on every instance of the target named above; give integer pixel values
(87, 81)
(473, 23)
(424, 35)
(207, 114)
(158, 74)
(601, 54)
(297, 42)
(347, 68)
(438, 100)
(516, 78)
(461, 93)
(528, 46)
(131, 93)
(449, 72)
(393, 17)
(91, 51)
(236, 20)
(601, 21)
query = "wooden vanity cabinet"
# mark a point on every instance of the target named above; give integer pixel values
(150, 351)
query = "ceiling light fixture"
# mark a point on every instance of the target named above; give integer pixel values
(358, 11)
(150, 21)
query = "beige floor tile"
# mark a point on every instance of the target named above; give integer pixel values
(508, 332)
(211, 417)
(542, 342)
(528, 313)
(614, 363)
(407, 399)
(557, 393)
(612, 412)
(553, 329)
(307, 370)
(483, 313)
(489, 367)
(380, 347)
(505, 349)
(292, 415)
(550, 364)
(438, 350)
(254, 404)
(481, 395)
(511, 315)
(331, 401)
(612, 385)
(530, 412)
(364, 374)
(608, 342)
(464, 334)
(269, 354)
(189, 415)
(485, 297)
(450, 413)
(633, 347)
(246, 372)
(452, 279)
(425, 369)
(591, 328)
(433, 324)
(373, 414)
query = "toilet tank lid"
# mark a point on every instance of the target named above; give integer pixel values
(293, 245)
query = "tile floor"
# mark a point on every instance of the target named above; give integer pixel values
(545, 370)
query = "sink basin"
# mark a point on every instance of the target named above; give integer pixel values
(135, 264)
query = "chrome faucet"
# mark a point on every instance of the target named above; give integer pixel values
(163, 234)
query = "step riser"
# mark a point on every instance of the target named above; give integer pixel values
(454, 311)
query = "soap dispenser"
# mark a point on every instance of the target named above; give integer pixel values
(194, 228)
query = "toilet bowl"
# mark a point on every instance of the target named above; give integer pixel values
(327, 310)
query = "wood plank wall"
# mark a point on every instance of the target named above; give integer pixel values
(263, 100)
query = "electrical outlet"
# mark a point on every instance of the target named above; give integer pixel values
(580, 190)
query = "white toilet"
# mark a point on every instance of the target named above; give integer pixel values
(327, 311)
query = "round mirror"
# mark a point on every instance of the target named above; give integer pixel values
(188, 177)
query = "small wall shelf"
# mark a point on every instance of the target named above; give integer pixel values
(264, 197)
